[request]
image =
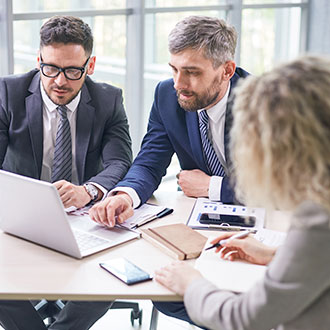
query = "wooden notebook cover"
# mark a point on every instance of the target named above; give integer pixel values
(167, 248)
(180, 239)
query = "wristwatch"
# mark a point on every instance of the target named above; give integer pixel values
(91, 190)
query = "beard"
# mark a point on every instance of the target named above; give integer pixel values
(65, 99)
(59, 98)
(201, 100)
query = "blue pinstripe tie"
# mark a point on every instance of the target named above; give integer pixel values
(210, 156)
(62, 164)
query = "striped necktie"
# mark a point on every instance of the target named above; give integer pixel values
(62, 164)
(211, 159)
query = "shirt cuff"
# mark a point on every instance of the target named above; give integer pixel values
(215, 188)
(130, 192)
(103, 190)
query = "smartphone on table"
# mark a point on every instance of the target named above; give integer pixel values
(227, 220)
(126, 271)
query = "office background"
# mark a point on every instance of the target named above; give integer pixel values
(131, 45)
(131, 38)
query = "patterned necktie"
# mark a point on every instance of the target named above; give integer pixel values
(210, 156)
(62, 164)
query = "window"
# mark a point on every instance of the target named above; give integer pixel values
(131, 39)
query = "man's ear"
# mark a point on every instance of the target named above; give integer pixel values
(229, 70)
(91, 65)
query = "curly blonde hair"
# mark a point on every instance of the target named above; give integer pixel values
(281, 135)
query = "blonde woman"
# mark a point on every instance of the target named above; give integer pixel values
(281, 156)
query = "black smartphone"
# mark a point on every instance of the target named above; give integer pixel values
(126, 271)
(227, 220)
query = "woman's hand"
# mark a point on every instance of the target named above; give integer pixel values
(248, 249)
(177, 276)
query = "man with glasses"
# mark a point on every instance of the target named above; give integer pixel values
(58, 125)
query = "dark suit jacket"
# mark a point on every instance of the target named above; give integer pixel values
(172, 129)
(103, 145)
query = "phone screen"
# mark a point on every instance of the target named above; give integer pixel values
(126, 271)
(227, 220)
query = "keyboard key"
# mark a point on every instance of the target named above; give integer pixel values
(87, 241)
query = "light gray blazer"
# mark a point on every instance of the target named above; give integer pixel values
(294, 294)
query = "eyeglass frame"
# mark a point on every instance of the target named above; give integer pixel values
(81, 69)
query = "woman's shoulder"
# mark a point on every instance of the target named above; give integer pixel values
(310, 214)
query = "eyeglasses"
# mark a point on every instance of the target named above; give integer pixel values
(70, 72)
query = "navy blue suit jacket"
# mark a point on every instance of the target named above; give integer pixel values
(173, 130)
(103, 145)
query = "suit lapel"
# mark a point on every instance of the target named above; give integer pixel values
(195, 139)
(84, 124)
(34, 109)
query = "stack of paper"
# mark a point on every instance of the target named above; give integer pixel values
(228, 275)
(146, 213)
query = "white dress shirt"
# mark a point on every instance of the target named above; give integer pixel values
(217, 117)
(216, 133)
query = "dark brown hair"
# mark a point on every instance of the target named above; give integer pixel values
(67, 29)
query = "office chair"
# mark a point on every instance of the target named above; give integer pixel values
(49, 309)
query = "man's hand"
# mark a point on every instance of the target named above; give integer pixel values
(177, 276)
(194, 183)
(72, 195)
(112, 210)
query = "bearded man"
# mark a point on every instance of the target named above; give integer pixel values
(190, 116)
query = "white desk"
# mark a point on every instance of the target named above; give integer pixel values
(28, 271)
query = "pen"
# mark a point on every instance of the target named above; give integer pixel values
(118, 225)
(224, 241)
(224, 228)
(159, 215)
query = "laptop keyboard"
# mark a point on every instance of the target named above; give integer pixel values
(87, 241)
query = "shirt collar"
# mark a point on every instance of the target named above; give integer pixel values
(219, 109)
(51, 106)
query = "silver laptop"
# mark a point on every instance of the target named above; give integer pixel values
(32, 209)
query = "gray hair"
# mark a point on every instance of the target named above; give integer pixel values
(216, 38)
(280, 135)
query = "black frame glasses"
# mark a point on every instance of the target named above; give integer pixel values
(70, 72)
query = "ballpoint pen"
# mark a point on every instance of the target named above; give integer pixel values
(224, 241)
(154, 217)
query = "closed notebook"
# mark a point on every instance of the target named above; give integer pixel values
(177, 240)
